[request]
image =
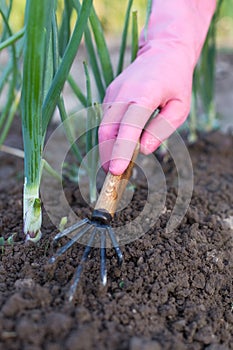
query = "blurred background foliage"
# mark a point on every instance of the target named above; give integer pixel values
(111, 14)
(225, 25)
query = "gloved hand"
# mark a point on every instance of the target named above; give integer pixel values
(160, 76)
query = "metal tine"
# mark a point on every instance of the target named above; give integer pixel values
(71, 229)
(103, 269)
(115, 245)
(70, 243)
(78, 272)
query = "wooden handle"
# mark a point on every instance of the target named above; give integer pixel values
(114, 186)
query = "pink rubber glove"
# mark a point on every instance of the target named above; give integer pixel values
(161, 76)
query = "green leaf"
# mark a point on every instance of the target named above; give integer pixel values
(102, 48)
(12, 85)
(65, 65)
(64, 31)
(134, 45)
(62, 223)
(2, 241)
(77, 91)
(92, 56)
(124, 38)
(65, 120)
(12, 39)
(10, 239)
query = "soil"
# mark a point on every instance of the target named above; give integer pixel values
(174, 291)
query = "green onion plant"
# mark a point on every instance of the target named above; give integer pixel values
(37, 33)
(44, 75)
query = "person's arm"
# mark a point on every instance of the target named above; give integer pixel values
(160, 77)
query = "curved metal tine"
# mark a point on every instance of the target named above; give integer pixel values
(70, 229)
(70, 243)
(115, 245)
(77, 275)
(103, 269)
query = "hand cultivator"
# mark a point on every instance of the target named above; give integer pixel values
(99, 225)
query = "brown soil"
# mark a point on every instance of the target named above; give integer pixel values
(173, 291)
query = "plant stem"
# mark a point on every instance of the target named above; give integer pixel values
(11, 92)
(32, 212)
(193, 127)
(70, 137)
(193, 120)
(89, 103)
(124, 38)
(10, 118)
(134, 45)
(20, 154)
(102, 48)
(64, 32)
(11, 150)
(77, 91)
(148, 12)
(12, 39)
(46, 166)
(90, 128)
(65, 65)
(38, 19)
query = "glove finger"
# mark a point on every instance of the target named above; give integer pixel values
(129, 133)
(163, 125)
(108, 130)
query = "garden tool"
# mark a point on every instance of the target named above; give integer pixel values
(99, 225)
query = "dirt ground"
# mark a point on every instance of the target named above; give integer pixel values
(174, 291)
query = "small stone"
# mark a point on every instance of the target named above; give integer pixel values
(205, 335)
(140, 261)
(199, 281)
(79, 339)
(24, 283)
(58, 324)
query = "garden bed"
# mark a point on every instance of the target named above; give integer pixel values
(174, 291)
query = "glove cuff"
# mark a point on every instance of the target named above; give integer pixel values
(180, 21)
